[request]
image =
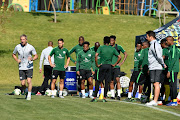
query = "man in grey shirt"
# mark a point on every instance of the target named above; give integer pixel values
(156, 65)
(47, 68)
(25, 61)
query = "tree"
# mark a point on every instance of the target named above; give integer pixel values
(52, 3)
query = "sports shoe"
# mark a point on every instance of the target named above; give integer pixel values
(91, 96)
(133, 100)
(39, 94)
(118, 97)
(113, 98)
(94, 100)
(138, 100)
(178, 101)
(83, 96)
(152, 103)
(104, 100)
(172, 104)
(60, 96)
(52, 96)
(28, 98)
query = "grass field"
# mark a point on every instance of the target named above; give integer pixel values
(40, 30)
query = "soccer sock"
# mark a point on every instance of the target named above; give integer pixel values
(119, 92)
(83, 92)
(60, 93)
(53, 92)
(139, 95)
(102, 91)
(129, 94)
(29, 94)
(112, 93)
(178, 95)
(90, 92)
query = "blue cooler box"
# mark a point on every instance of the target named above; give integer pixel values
(70, 82)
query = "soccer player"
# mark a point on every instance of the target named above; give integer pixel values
(173, 69)
(106, 53)
(77, 49)
(178, 97)
(59, 66)
(95, 48)
(116, 69)
(47, 68)
(86, 61)
(164, 80)
(25, 61)
(156, 64)
(135, 73)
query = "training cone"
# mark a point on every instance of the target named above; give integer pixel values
(101, 96)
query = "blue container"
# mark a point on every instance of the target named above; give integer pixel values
(70, 82)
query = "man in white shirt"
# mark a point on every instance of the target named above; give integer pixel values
(25, 61)
(47, 68)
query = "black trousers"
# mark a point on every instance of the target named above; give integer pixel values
(105, 73)
(47, 77)
(173, 85)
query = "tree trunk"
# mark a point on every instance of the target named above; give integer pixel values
(54, 10)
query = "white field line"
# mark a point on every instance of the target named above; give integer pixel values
(156, 108)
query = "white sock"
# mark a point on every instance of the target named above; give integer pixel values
(139, 95)
(102, 91)
(178, 95)
(90, 92)
(53, 92)
(29, 94)
(129, 94)
(83, 92)
(60, 93)
(97, 94)
(119, 92)
(112, 93)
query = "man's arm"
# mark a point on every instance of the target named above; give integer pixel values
(68, 59)
(49, 58)
(119, 58)
(125, 56)
(93, 61)
(77, 64)
(70, 52)
(41, 61)
(96, 60)
(15, 58)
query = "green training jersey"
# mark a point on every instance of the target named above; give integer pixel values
(144, 60)
(85, 60)
(99, 57)
(119, 49)
(59, 58)
(107, 53)
(166, 54)
(136, 60)
(75, 49)
(173, 59)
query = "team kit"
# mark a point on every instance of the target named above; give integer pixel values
(154, 64)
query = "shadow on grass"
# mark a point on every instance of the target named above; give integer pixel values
(42, 14)
(4, 52)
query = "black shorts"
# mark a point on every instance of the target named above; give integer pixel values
(24, 74)
(155, 75)
(85, 74)
(115, 73)
(96, 75)
(134, 76)
(142, 78)
(57, 73)
(105, 72)
(164, 78)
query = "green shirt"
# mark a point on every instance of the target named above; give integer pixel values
(99, 58)
(107, 53)
(75, 49)
(166, 54)
(115, 58)
(144, 60)
(85, 60)
(136, 60)
(173, 59)
(59, 58)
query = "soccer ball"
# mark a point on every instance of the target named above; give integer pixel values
(109, 93)
(17, 91)
(124, 81)
(48, 92)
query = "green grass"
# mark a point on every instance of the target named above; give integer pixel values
(40, 29)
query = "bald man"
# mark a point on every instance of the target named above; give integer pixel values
(47, 68)
(95, 48)
(173, 69)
